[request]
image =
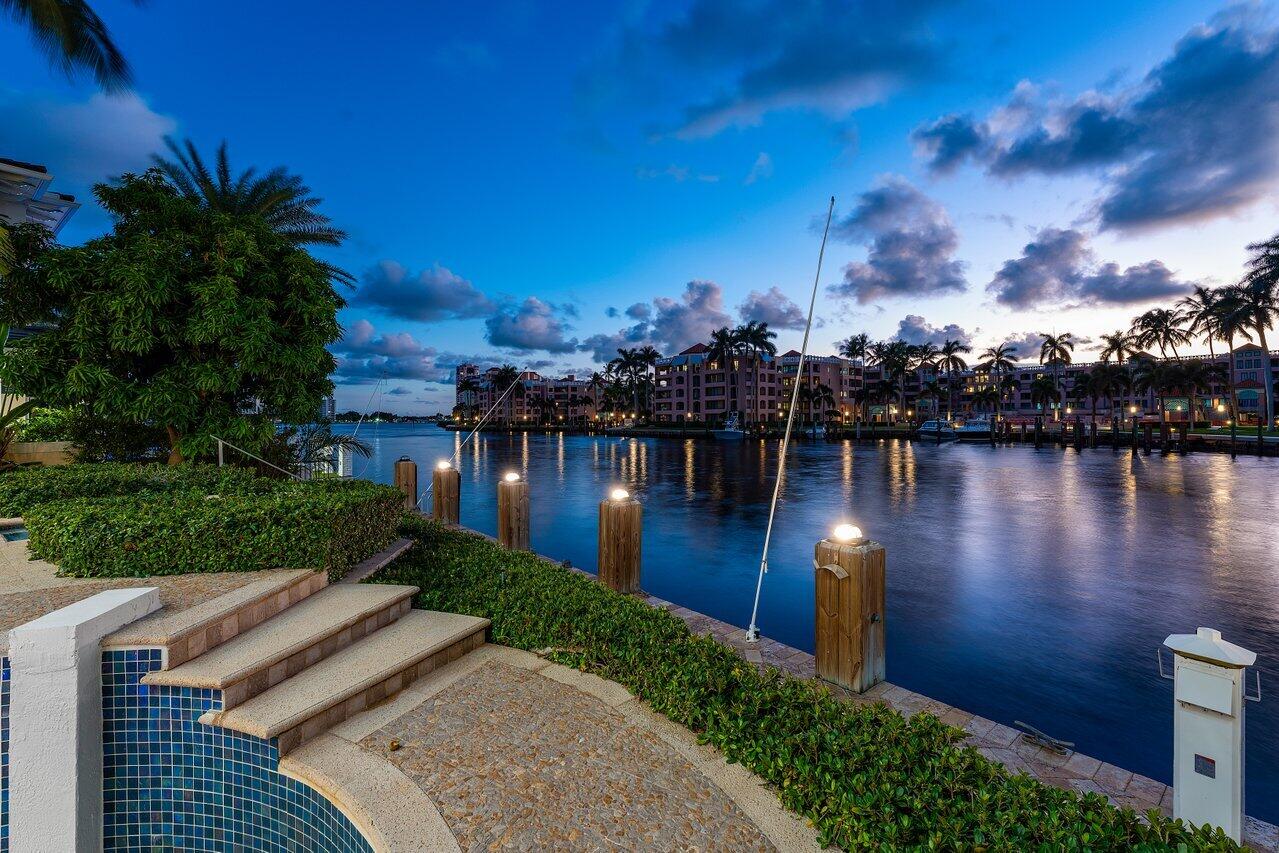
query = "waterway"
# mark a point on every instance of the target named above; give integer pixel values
(1023, 584)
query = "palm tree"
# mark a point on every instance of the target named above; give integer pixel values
(596, 383)
(933, 390)
(1044, 391)
(724, 347)
(1197, 309)
(950, 360)
(74, 38)
(505, 377)
(1230, 320)
(1055, 352)
(1161, 327)
(855, 348)
(646, 358)
(1261, 291)
(986, 396)
(1121, 346)
(895, 359)
(758, 339)
(997, 361)
(1198, 377)
(277, 196)
(1158, 378)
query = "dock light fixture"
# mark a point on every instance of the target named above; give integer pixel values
(1132, 410)
(848, 534)
(511, 477)
(443, 465)
(1221, 407)
(619, 495)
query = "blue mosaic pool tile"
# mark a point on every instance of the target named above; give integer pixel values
(171, 783)
(4, 755)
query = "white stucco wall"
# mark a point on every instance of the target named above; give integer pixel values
(55, 721)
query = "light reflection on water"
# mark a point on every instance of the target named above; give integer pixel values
(1023, 584)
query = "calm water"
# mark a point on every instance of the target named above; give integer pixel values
(1022, 584)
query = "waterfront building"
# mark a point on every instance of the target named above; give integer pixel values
(536, 398)
(25, 198)
(691, 387)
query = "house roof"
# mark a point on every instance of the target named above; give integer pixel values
(695, 349)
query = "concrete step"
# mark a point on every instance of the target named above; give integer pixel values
(283, 646)
(187, 634)
(368, 672)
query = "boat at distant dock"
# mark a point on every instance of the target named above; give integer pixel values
(976, 428)
(932, 429)
(731, 431)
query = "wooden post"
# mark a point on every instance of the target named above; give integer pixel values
(1165, 433)
(1039, 432)
(621, 524)
(1135, 442)
(446, 494)
(1079, 432)
(1184, 438)
(406, 481)
(850, 583)
(1232, 438)
(1148, 440)
(512, 513)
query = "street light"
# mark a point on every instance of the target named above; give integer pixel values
(512, 477)
(619, 495)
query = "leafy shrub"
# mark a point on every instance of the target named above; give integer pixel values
(46, 425)
(109, 520)
(863, 774)
(26, 488)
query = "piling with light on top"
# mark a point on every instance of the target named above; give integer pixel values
(849, 585)
(406, 481)
(446, 493)
(513, 512)
(621, 521)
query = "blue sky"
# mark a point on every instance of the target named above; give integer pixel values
(537, 183)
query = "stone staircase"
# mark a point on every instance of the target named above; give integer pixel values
(293, 655)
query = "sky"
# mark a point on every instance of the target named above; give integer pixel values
(541, 183)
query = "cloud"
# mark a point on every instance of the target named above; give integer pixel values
(774, 308)
(722, 63)
(399, 391)
(364, 356)
(947, 142)
(669, 324)
(914, 329)
(430, 295)
(82, 142)
(1057, 268)
(1196, 138)
(532, 325)
(1025, 344)
(677, 173)
(911, 245)
(761, 169)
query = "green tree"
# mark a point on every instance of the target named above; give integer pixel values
(507, 377)
(1230, 320)
(74, 38)
(1162, 327)
(1055, 352)
(758, 339)
(1044, 391)
(856, 348)
(202, 322)
(998, 361)
(951, 360)
(1261, 296)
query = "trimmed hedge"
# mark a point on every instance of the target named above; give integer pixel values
(28, 487)
(130, 521)
(862, 774)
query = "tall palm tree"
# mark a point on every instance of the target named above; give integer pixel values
(855, 348)
(278, 196)
(758, 340)
(895, 358)
(1055, 352)
(505, 378)
(597, 383)
(725, 345)
(1121, 346)
(1162, 327)
(951, 361)
(1197, 377)
(997, 361)
(74, 38)
(1230, 320)
(984, 396)
(1197, 310)
(627, 368)
(646, 358)
(1261, 291)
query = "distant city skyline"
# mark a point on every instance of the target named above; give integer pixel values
(537, 185)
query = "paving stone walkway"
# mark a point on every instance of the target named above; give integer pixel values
(516, 760)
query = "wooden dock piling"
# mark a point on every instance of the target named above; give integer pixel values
(446, 494)
(620, 537)
(850, 586)
(512, 513)
(406, 481)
